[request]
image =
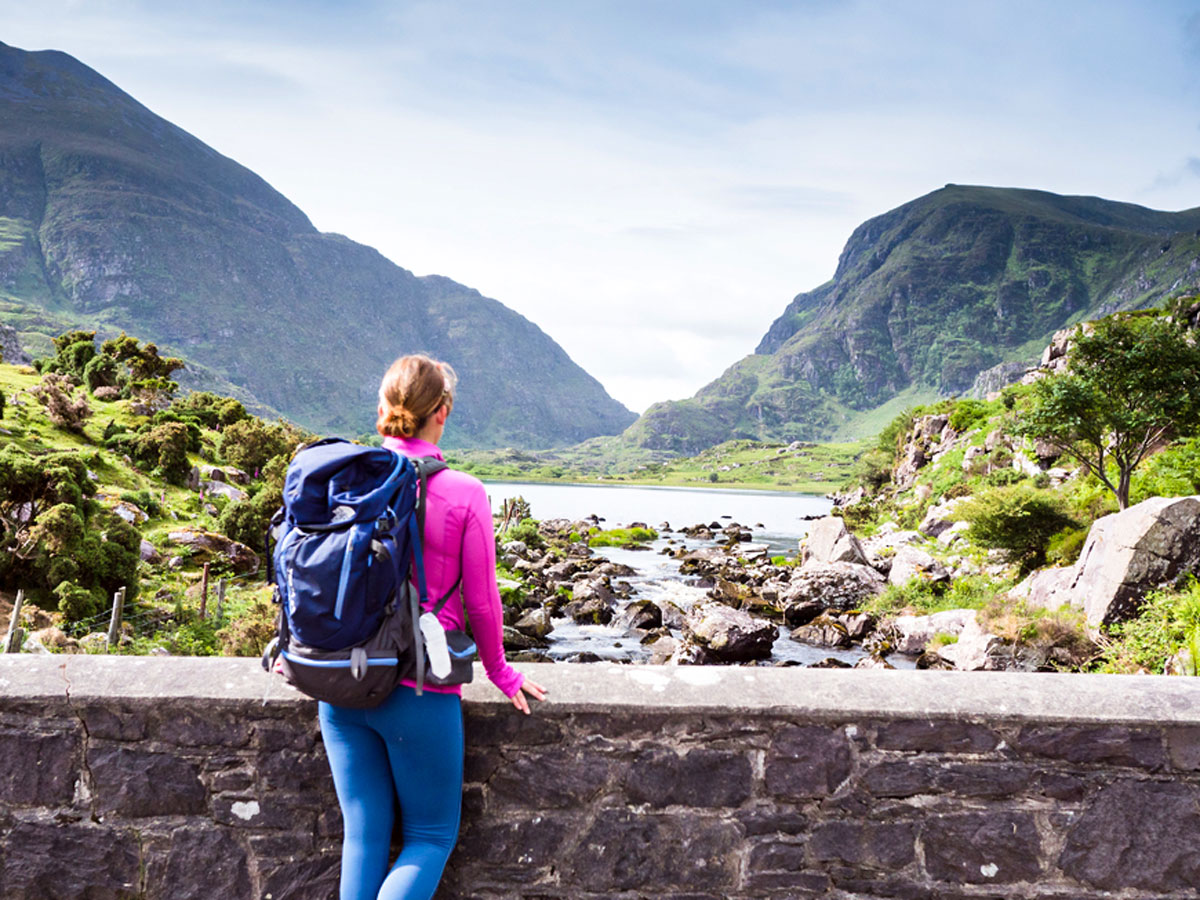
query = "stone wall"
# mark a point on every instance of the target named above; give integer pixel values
(178, 778)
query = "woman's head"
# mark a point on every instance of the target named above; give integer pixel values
(412, 391)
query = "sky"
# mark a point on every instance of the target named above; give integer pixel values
(651, 181)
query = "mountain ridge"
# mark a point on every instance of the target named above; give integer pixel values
(115, 219)
(924, 298)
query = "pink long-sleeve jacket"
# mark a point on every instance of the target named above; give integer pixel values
(459, 531)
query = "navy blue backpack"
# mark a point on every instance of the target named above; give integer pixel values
(346, 540)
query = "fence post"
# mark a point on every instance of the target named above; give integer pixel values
(204, 592)
(114, 624)
(220, 598)
(12, 640)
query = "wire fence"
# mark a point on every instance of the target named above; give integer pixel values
(144, 619)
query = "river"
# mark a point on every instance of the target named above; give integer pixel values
(775, 518)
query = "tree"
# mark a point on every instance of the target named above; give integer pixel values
(1132, 381)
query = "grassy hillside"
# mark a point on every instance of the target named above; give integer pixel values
(800, 467)
(163, 610)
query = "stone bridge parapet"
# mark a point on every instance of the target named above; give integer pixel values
(131, 777)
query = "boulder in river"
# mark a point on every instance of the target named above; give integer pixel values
(642, 615)
(535, 623)
(829, 541)
(591, 603)
(729, 635)
(823, 631)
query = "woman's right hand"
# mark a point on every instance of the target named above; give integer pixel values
(533, 689)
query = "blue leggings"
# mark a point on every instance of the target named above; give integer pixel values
(416, 744)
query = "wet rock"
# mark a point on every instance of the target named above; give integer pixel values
(729, 593)
(730, 635)
(614, 570)
(534, 623)
(830, 662)
(839, 585)
(829, 541)
(873, 662)
(591, 602)
(823, 631)
(662, 650)
(797, 614)
(516, 640)
(640, 614)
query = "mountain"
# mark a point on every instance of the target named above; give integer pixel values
(924, 298)
(113, 218)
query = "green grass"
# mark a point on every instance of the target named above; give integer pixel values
(621, 537)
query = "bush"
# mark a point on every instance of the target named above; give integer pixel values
(1018, 519)
(967, 413)
(56, 393)
(525, 531)
(210, 410)
(106, 394)
(77, 603)
(251, 443)
(164, 449)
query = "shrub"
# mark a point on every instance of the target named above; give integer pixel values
(106, 394)
(248, 633)
(1018, 519)
(56, 393)
(164, 449)
(967, 413)
(210, 410)
(525, 531)
(251, 443)
(102, 373)
(77, 603)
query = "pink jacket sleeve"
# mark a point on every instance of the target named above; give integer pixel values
(481, 596)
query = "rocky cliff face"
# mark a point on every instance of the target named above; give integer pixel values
(112, 217)
(928, 296)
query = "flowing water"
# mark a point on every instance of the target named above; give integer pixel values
(777, 519)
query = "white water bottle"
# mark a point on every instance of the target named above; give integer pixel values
(435, 645)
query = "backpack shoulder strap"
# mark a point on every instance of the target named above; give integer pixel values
(427, 467)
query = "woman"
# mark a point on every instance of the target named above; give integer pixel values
(415, 742)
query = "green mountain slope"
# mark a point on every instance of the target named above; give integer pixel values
(924, 298)
(113, 218)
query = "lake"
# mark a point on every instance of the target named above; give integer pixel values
(774, 517)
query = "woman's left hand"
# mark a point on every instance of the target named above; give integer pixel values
(534, 690)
